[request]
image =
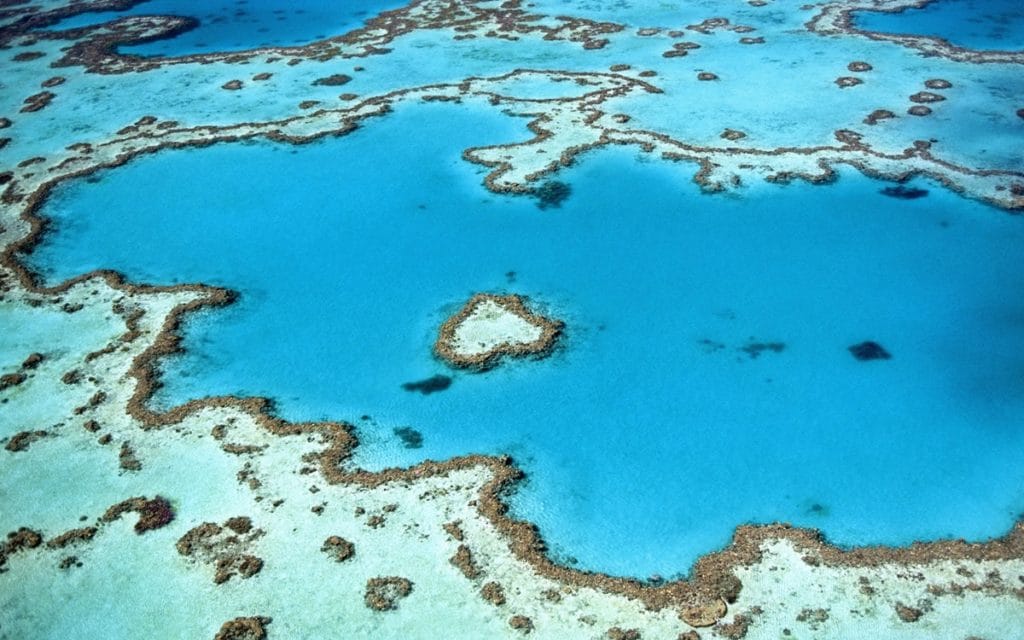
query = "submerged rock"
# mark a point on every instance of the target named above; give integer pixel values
(755, 349)
(869, 350)
(411, 438)
(552, 194)
(904, 193)
(335, 80)
(428, 385)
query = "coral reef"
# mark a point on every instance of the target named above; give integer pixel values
(383, 593)
(338, 548)
(223, 547)
(252, 628)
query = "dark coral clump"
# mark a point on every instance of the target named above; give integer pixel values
(244, 629)
(429, 385)
(904, 193)
(552, 194)
(338, 548)
(411, 438)
(869, 350)
(755, 349)
(153, 514)
(336, 80)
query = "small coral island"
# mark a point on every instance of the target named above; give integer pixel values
(489, 327)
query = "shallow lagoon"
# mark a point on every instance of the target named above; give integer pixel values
(655, 430)
(975, 24)
(229, 25)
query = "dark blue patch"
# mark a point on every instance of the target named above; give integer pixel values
(904, 193)
(430, 385)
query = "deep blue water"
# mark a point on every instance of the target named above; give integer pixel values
(658, 426)
(975, 24)
(232, 25)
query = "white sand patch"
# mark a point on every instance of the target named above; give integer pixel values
(489, 326)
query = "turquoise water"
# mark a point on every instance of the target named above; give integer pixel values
(229, 25)
(974, 24)
(658, 426)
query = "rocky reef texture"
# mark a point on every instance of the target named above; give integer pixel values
(383, 593)
(93, 388)
(490, 327)
(448, 510)
(254, 628)
(838, 18)
(224, 547)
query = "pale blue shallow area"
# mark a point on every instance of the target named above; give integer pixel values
(644, 445)
(974, 24)
(230, 25)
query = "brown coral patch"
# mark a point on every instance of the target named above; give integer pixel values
(757, 40)
(494, 593)
(521, 623)
(338, 548)
(127, 458)
(23, 440)
(55, 81)
(28, 56)
(383, 593)
(848, 81)
(907, 613)
(84, 534)
(463, 561)
(232, 85)
(919, 110)
(859, 66)
(706, 613)
(938, 83)
(926, 97)
(20, 540)
(11, 380)
(733, 135)
(335, 80)
(454, 530)
(878, 115)
(153, 514)
(223, 547)
(706, 76)
(254, 628)
(734, 630)
(38, 101)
